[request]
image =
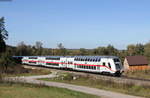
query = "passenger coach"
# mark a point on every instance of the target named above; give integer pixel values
(98, 64)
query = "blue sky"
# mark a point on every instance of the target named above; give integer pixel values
(77, 23)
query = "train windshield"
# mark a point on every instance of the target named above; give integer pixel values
(116, 60)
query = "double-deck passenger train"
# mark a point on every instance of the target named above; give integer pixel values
(97, 64)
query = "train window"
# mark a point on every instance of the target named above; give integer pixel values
(58, 58)
(53, 64)
(32, 62)
(109, 65)
(104, 64)
(116, 60)
(94, 67)
(89, 67)
(98, 68)
(86, 59)
(85, 67)
(48, 58)
(32, 57)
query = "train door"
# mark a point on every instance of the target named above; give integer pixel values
(63, 62)
(102, 66)
(106, 65)
(70, 63)
(41, 61)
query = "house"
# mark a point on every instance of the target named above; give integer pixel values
(135, 63)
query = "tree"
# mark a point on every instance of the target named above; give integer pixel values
(139, 49)
(46, 51)
(38, 45)
(6, 61)
(39, 48)
(82, 51)
(3, 35)
(111, 50)
(147, 51)
(131, 50)
(61, 50)
(23, 49)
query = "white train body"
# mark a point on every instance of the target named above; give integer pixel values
(98, 64)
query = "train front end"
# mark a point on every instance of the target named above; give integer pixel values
(118, 67)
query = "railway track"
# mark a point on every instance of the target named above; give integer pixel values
(123, 79)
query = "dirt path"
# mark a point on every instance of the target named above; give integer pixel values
(84, 89)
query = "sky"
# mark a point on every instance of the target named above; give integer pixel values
(77, 23)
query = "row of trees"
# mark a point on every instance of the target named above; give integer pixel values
(139, 49)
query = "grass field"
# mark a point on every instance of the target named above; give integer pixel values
(102, 84)
(28, 72)
(12, 90)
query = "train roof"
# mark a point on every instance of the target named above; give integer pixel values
(82, 57)
(94, 57)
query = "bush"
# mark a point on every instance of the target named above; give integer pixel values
(6, 61)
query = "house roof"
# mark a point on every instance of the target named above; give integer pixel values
(137, 60)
